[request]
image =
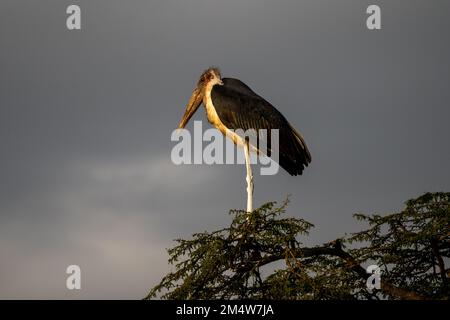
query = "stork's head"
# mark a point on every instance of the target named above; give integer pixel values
(209, 78)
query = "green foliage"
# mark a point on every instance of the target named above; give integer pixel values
(225, 263)
(412, 248)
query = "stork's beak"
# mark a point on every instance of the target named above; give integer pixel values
(192, 106)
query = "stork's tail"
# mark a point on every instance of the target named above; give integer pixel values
(295, 155)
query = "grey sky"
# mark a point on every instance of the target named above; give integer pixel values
(86, 117)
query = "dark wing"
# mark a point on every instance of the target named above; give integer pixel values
(238, 107)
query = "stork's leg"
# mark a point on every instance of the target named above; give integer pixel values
(249, 177)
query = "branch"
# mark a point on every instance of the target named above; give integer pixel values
(435, 249)
(337, 251)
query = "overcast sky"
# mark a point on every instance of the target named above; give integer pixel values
(86, 117)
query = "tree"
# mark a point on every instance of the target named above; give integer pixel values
(411, 248)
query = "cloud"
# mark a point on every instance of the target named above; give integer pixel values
(103, 221)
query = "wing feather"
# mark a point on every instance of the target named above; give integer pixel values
(239, 107)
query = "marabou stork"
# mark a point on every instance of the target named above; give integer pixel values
(230, 105)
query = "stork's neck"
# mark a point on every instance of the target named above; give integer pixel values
(211, 113)
(208, 89)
